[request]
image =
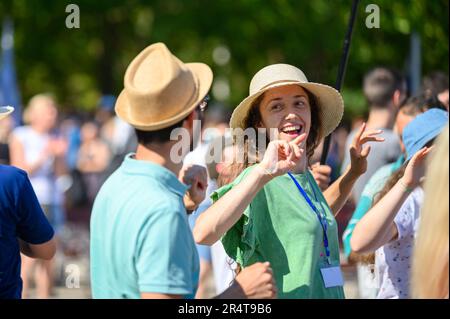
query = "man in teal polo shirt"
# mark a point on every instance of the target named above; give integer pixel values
(141, 243)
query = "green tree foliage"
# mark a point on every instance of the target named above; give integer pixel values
(79, 65)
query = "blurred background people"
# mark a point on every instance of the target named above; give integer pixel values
(93, 159)
(213, 129)
(390, 226)
(385, 90)
(38, 150)
(436, 83)
(408, 111)
(117, 133)
(213, 259)
(23, 226)
(224, 268)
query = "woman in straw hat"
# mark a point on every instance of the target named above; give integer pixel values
(274, 210)
(21, 217)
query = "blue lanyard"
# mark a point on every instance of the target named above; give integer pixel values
(322, 219)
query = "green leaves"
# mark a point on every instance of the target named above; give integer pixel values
(80, 64)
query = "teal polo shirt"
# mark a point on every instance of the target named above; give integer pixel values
(140, 235)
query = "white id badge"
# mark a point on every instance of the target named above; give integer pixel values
(332, 276)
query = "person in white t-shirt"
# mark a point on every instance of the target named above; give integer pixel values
(40, 153)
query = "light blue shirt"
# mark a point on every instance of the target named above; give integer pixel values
(140, 235)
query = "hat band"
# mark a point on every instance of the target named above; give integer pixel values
(278, 82)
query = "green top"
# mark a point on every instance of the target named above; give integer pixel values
(280, 227)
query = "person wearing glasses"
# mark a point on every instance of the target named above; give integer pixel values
(141, 243)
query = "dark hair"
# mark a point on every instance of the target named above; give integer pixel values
(421, 103)
(217, 114)
(159, 136)
(435, 82)
(380, 85)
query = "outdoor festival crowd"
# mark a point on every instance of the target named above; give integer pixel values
(276, 224)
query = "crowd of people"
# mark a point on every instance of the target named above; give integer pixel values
(267, 222)
(67, 158)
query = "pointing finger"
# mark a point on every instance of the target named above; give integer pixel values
(299, 139)
(360, 132)
(371, 139)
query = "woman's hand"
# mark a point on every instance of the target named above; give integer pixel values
(358, 153)
(281, 156)
(415, 171)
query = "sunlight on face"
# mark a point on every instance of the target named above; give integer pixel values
(287, 109)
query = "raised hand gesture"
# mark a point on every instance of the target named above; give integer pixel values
(358, 153)
(281, 156)
(415, 171)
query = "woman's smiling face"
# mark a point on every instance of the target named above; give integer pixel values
(287, 109)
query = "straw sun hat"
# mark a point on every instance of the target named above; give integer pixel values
(329, 100)
(160, 90)
(5, 111)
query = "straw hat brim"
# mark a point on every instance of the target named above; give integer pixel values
(329, 102)
(203, 78)
(5, 111)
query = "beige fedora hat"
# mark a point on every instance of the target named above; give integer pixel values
(160, 90)
(329, 100)
(5, 111)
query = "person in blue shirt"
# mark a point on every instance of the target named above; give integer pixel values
(141, 243)
(23, 227)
